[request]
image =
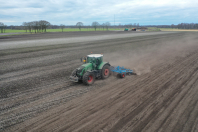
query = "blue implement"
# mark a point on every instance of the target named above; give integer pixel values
(122, 71)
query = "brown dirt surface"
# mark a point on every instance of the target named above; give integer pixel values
(36, 94)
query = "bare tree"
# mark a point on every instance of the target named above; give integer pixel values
(5, 26)
(62, 27)
(107, 24)
(95, 25)
(12, 27)
(79, 25)
(44, 24)
(41, 25)
(120, 25)
(138, 25)
(29, 26)
(130, 25)
(25, 25)
(172, 26)
(1, 27)
(134, 25)
(196, 26)
(103, 26)
(35, 26)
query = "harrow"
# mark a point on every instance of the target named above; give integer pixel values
(121, 71)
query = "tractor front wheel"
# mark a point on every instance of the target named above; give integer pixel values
(88, 78)
(105, 71)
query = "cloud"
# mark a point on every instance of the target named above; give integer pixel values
(69, 12)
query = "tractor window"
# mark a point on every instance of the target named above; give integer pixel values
(97, 61)
(88, 59)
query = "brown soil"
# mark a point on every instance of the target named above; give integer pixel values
(36, 95)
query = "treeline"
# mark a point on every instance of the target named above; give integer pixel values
(187, 26)
(42, 25)
(37, 26)
(179, 26)
(130, 25)
(80, 25)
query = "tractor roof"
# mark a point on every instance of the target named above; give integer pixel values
(95, 55)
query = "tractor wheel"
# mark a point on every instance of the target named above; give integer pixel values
(88, 78)
(122, 75)
(105, 71)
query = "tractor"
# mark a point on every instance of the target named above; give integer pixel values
(93, 68)
(126, 29)
(134, 29)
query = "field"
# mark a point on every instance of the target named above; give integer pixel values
(36, 94)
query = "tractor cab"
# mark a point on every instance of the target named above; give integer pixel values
(93, 58)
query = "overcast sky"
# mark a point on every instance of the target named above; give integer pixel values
(69, 12)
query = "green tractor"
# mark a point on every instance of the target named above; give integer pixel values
(126, 29)
(93, 68)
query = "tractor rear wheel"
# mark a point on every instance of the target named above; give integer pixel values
(88, 78)
(105, 71)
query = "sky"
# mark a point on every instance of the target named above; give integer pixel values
(69, 12)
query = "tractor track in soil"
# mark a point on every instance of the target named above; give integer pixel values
(40, 98)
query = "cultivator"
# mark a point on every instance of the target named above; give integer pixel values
(121, 71)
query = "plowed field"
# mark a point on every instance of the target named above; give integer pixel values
(36, 94)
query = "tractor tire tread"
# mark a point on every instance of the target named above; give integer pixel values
(85, 78)
(102, 74)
